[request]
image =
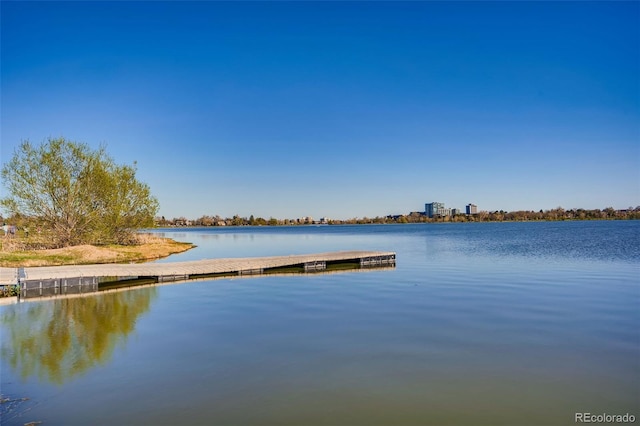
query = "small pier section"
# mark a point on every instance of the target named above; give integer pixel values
(77, 279)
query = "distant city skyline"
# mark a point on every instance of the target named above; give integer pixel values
(431, 210)
(337, 109)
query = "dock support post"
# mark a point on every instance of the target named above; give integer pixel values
(254, 271)
(377, 261)
(316, 265)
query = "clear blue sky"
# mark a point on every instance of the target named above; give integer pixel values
(337, 109)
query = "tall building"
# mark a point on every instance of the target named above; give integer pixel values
(436, 209)
(472, 209)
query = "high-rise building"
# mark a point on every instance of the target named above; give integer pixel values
(436, 209)
(472, 209)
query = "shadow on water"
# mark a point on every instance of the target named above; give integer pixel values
(64, 338)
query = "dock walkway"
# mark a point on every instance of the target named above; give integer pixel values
(90, 275)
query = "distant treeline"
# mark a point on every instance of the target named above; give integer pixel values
(556, 214)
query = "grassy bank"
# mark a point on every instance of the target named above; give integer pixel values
(149, 248)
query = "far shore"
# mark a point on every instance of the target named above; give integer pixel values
(150, 248)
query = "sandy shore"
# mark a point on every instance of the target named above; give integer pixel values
(151, 247)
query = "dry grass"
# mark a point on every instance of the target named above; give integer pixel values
(149, 247)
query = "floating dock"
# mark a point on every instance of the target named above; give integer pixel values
(76, 279)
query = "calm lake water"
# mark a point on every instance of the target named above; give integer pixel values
(479, 324)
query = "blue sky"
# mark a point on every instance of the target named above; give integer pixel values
(337, 109)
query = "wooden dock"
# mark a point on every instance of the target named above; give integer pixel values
(59, 280)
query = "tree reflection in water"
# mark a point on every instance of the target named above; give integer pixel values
(63, 338)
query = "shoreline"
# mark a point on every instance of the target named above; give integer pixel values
(150, 248)
(425, 222)
(155, 247)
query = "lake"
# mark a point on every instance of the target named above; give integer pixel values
(478, 324)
